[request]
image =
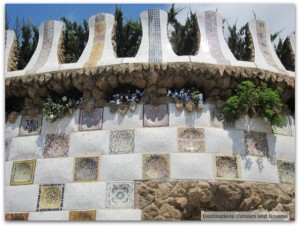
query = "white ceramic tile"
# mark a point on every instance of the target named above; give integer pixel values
(121, 167)
(191, 166)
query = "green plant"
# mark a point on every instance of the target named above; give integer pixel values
(56, 108)
(255, 100)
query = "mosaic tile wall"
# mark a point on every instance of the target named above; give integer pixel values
(46, 47)
(93, 174)
(98, 42)
(213, 38)
(154, 32)
(263, 43)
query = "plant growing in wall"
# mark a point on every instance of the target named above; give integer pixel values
(255, 100)
(190, 97)
(57, 108)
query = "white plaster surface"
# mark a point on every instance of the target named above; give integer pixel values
(27, 147)
(292, 37)
(204, 54)
(186, 119)
(225, 141)
(65, 125)
(117, 121)
(282, 147)
(10, 37)
(255, 124)
(21, 198)
(292, 124)
(49, 216)
(89, 143)
(54, 171)
(191, 166)
(121, 167)
(12, 129)
(260, 60)
(84, 196)
(156, 140)
(7, 172)
(258, 169)
(119, 215)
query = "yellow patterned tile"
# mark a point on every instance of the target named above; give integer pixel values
(22, 172)
(89, 215)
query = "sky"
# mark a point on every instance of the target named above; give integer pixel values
(278, 16)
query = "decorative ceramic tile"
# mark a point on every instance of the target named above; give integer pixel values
(263, 42)
(257, 144)
(156, 166)
(51, 197)
(227, 167)
(57, 146)
(46, 47)
(89, 215)
(98, 42)
(119, 194)
(218, 119)
(86, 168)
(31, 125)
(191, 140)
(122, 141)
(213, 38)
(91, 121)
(286, 171)
(22, 172)
(156, 116)
(154, 33)
(284, 128)
(16, 217)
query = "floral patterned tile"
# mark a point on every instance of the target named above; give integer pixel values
(286, 171)
(191, 140)
(31, 125)
(22, 172)
(86, 168)
(16, 217)
(156, 116)
(57, 146)
(91, 121)
(50, 197)
(156, 166)
(89, 215)
(227, 167)
(257, 144)
(122, 141)
(119, 195)
(218, 119)
(284, 128)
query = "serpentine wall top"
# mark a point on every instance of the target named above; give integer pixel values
(155, 46)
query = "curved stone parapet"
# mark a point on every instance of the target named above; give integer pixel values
(10, 44)
(99, 50)
(213, 47)
(45, 57)
(265, 56)
(155, 45)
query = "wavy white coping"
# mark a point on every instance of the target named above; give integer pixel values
(51, 63)
(204, 53)
(260, 59)
(292, 37)
(107, 57)
(143, 53)
(10, 36)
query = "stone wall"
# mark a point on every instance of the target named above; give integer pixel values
(184, 200)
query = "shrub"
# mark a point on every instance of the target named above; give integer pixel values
(56, 108)
(255, 100)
